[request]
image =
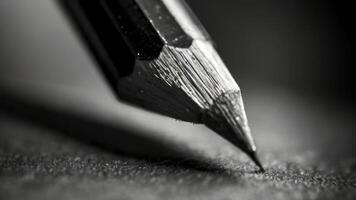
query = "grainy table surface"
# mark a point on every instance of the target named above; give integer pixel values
(40, 163)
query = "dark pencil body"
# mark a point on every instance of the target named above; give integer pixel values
(157, 55)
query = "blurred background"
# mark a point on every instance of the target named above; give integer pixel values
(305, 46)
(293, 60)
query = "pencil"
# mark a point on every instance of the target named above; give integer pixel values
(157, 55)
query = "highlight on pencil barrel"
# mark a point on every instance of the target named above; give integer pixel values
(157, 55)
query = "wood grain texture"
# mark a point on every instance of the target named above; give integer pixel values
(191, 84)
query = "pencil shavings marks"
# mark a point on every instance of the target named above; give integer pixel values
(191, 77)
(198, 71)
(190, 84)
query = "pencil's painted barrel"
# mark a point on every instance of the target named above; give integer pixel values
(119, 32)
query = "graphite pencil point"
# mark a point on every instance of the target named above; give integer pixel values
(253, 156)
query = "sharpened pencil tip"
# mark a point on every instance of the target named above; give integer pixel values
(254, 157)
